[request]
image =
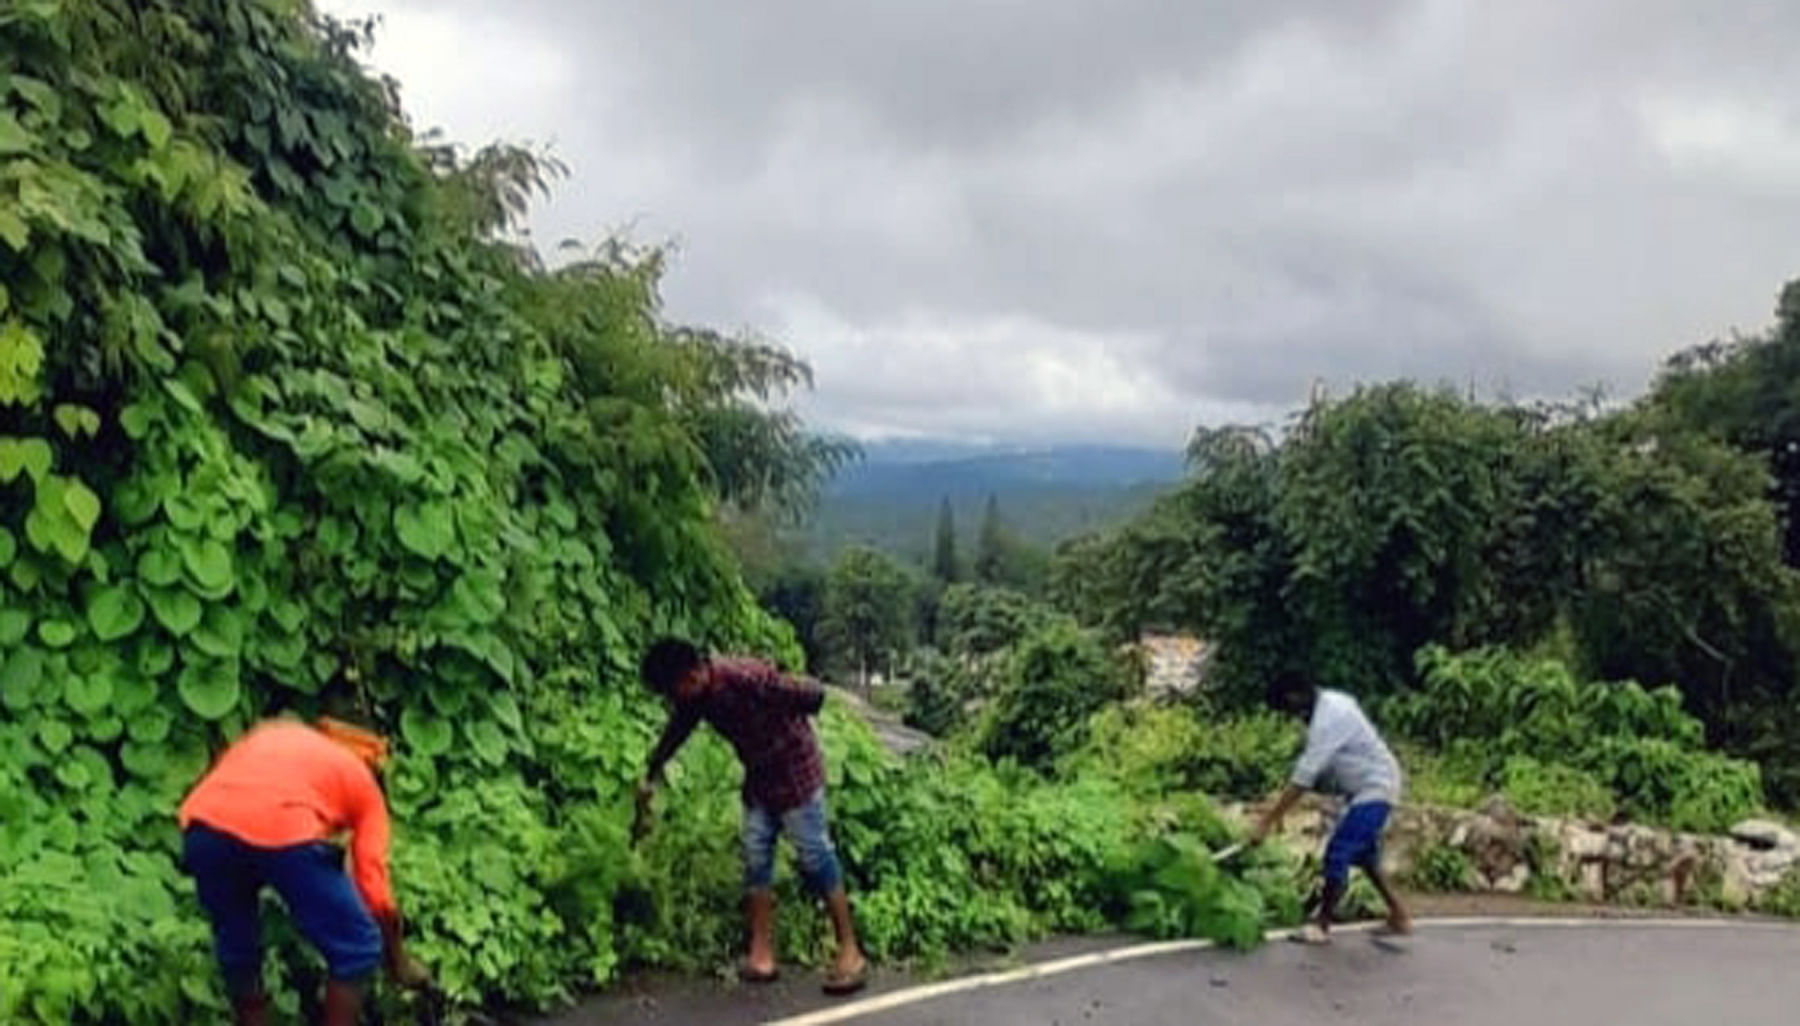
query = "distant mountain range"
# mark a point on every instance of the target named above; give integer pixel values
(909, 468)
(890, 498)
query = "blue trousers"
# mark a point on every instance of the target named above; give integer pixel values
(806, 828)
(1356, 841)
(310, 879)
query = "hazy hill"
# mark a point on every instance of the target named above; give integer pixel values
(890, 499)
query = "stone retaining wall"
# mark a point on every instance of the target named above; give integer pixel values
(1598, 862)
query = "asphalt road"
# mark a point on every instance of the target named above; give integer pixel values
(1590, 974)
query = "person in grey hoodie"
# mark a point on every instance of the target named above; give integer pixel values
(1344, 756)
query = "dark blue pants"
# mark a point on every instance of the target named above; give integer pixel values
(1356, 841)
(311, 881)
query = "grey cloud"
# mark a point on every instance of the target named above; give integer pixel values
(958, 208)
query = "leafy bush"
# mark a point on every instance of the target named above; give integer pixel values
(941, 689)
(1524, 725)
(1162, 748)
(1784, 898)
(1441, 868)
(1170, 887)
(1056, 678)
(1541, 789)
(280, 417)
(1455, 779)
(975, 620)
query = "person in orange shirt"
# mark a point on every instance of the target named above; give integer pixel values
(264, 816)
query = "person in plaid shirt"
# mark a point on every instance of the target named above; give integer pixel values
(766, 716)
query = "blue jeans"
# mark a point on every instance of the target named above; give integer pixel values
(806, 829)
(1356, 841)
(230, 875)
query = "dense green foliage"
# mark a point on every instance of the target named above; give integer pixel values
(285, 420)
(1527, 728)
(1399, 517)
(867, 613)
(1056, 679)
(1189, 749)
(279, 421)
(1742, 392)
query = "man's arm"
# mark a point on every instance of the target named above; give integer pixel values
(801, 695)
(370, 833)
(681, 726)
(1271, 820)
(1323, 739)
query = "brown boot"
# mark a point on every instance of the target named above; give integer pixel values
(343, 1001)
(250, 1010)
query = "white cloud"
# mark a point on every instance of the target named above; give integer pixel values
(1076, 220)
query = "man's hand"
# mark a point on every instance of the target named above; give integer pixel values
(407, 971)
(402, 968)
(1270, 821)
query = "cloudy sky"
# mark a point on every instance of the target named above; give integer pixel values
(1108, 220)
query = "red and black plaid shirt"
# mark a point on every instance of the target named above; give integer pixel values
(765, 714)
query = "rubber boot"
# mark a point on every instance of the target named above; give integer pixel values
(343, 1001)
(250, 1010)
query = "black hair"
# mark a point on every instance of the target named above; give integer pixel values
(667, 661)
(1290, 691)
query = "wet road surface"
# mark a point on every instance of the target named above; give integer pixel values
(1592, 974)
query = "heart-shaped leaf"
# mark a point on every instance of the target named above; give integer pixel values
(208, 563)
(55, 736)
(427, 529)
(289, 615)
(184, 513)
(151, 726)
(429, 735)
(210, 689)
(284, 652)
(221, 632)
(56, 633)
(478, 597)
(176, 609)
(154, 656)
(146, 761)
(506, 709)
(82, 503)
(19, 676)
(105, 728)
(76, 420)
(14, 624)
(29, 455)
(136, 419)
(486, 741)
(132, 693)
(115, 612)
(159, 566)
(87, 694)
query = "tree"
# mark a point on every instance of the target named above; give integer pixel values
(1747, 392)
(974, 620)
(797, 594)
(868, 610)
(943, 560)
(1056, 678)
(990, 545)
(1400, 517)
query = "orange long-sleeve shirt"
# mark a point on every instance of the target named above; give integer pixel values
(283, 784)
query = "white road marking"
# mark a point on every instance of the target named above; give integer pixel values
(982, 981)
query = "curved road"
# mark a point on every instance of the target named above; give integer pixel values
(1453, 973)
